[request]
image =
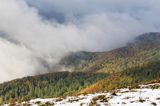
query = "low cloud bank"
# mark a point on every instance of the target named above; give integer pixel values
(35, 34)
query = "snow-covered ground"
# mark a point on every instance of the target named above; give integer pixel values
(146, 95)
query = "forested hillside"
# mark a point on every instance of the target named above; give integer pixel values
(128, 78)
(47, 86)
(145, 48)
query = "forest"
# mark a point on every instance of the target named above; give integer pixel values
(129, 78)
(47, 86)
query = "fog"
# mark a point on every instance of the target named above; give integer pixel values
(36, 34)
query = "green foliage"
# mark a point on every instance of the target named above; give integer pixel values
(46, 86)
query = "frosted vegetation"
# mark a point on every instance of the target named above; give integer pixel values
(143, 95)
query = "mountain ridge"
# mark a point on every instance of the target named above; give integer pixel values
(134, 48)
(92, 72)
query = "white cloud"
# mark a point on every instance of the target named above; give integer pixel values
(88, 25)
(17, 61)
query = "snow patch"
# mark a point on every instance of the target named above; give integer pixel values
(145, 95)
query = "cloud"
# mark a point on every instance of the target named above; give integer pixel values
(17, 60)
(37, 33)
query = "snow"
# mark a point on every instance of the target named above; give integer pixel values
(146, 95)
(140, 97)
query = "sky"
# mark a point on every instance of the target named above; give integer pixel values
(36, 34)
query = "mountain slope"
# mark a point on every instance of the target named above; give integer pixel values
(47, 86)
(130, 77)
(143, 49)
(144, 95)
(136, 63)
